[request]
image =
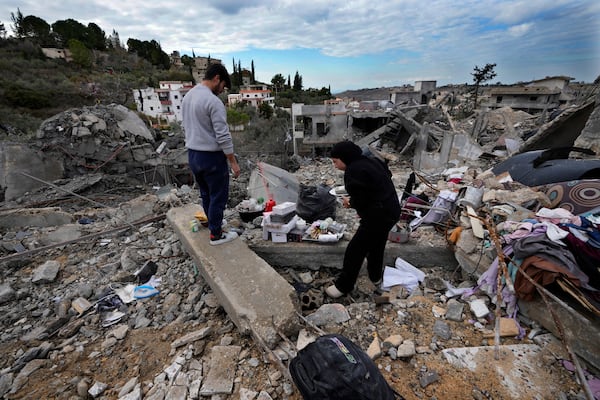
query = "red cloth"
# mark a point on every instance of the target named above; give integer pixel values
(543, 272)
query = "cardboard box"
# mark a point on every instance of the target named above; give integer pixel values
(277, 237)
(284, 208)
(271, 226)
(282, 218)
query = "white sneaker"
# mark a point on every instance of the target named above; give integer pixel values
(333, 292)
(225, 237)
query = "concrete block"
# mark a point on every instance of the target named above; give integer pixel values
(257, 299)
(221, 372)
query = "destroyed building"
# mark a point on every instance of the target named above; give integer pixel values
(105, 214)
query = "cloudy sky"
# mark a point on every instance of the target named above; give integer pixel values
(354, 44)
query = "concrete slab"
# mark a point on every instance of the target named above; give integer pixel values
(330, 255)
(517, 368)
(221, 371)
(257, 299)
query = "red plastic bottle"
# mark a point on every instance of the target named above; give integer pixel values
(269, 205)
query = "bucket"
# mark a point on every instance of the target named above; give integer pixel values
(472, 197)
(399, 234)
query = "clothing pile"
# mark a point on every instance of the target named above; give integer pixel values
(554, 248)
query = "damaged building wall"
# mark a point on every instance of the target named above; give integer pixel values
(590, 135)
(318, 125)
(17, 157)
(562, 131)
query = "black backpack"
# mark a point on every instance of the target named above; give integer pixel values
(334, 368)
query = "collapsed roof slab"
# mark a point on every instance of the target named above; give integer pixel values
(258, 300)
(330, 255)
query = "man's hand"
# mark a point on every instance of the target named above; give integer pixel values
(235, 168)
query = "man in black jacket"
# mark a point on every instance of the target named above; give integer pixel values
(373, 195)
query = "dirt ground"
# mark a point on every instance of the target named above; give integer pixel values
(145, 352)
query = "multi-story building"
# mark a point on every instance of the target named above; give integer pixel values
(255, 95)
(318, 126)
(201, 65)
(163, 103)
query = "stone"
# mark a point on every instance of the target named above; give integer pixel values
(46, 272)
(428, 378)
(135, 394)
(82, 388)
(374, 350)
(392, 341)
(176, 393)
(119, 332)
(192, 337)
(333, 313)
(442, 330)
(406, 349)
(246, 394)
(508, 327)
(221, 373)
(455, 310)
(7, 293)
(128, 386)
(97, 389)
(438, 311)
(264, 396)
(478, 308)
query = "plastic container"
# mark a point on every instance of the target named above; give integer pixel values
(327, 238)
(269, 205)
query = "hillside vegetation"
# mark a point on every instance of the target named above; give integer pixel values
(33, 87)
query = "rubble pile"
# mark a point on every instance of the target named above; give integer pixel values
(163, 345)
(102, 301)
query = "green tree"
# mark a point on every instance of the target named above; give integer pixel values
(68, 29)
(17, 20)
(297, 82)
(150, 51)
(237, 117)
(95, 37)
(278, 82)
(187, 60)
(252, 68)
(37, 30)
(481, 75)
(81, 55)
(265, 110)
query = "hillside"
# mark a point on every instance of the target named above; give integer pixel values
(33, 87)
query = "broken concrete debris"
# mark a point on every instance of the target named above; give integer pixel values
(172, 344)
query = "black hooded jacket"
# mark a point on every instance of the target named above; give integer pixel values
(368, 182)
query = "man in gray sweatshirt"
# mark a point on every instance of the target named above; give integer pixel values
(210, 147)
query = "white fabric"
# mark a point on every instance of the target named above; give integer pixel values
(403, 274)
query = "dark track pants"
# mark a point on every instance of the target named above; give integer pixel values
(368, 242)
(211, 173)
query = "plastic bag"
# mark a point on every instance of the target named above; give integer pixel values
(315, 202)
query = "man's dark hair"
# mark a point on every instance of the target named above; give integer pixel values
(218, 69)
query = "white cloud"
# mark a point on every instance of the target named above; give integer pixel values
(519, 30)
(441, 38)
